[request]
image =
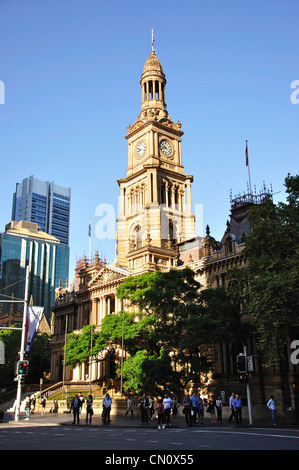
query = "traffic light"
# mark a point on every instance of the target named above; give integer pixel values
(241, 363)
(23, 367)
(243, 379)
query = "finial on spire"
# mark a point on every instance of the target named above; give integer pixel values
(152, 49)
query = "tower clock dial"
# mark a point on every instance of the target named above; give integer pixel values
(165, 147)
(140, 149)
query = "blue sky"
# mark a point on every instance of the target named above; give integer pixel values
(71, 71)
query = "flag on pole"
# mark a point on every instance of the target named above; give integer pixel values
(34, 316)
(89, 228)
(246, 154)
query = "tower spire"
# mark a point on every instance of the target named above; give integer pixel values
(152, 48)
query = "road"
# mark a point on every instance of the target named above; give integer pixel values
(21, 436)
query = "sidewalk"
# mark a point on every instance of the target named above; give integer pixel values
(66, 419)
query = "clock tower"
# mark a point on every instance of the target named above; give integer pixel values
(155, 196)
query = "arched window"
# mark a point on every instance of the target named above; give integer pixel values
(229, 246)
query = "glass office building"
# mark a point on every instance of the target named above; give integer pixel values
(44, 203)
(22, 244)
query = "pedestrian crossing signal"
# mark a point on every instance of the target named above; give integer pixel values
(241, 363)
(23, 367)
(243, 379)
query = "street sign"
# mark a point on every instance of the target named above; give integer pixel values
(250, 367)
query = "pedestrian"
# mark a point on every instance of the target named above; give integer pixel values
(151, 407)
(33, 402)
(211, 409)
(43, 403)
(89, 409)
(272, 408)
(129, 407)
(27, 407)
(231, 405)
(75, 406)
(219, 409)
(107, 402)
(175, 406)
(143, 405)
(161, 414)
(187, 404)
(167, 402)
(238, 409)
(194, 409)
(81, 403)
(200, 410)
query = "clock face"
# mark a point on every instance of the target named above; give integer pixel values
(165, 147)
(140, 149)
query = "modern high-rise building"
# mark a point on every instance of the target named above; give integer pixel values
(44, 203)
(24, 244)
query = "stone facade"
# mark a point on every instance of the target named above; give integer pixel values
(155, 231)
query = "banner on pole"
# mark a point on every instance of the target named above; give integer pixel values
(34, 316)
(2, 353)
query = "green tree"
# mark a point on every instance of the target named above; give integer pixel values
(165, 337)
(176, 322)
(268, 285)
(148, 373)
(39, 358)
(78, 346)
(12, 342)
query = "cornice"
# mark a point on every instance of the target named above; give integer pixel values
(164, 124)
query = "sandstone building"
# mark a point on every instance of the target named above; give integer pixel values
(156, 231)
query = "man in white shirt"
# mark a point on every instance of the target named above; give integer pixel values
(271, 406)
(167, 402)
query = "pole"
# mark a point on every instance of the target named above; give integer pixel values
(248, 390)
(122, 356)
(247, 163)
(22, 352)
(90, 240)
(64, 366)
(91, 339)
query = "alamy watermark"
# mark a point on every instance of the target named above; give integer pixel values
(2, 92)
(295, 94)
(174, 222)
(295, 354)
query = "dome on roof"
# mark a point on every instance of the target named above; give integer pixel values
(152, 64)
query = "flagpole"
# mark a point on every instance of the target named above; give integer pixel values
(247, 163)
(89, 239)
(22, 352)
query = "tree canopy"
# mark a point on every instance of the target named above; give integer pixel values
(165, 337)
(39, 358)
(268, 284)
